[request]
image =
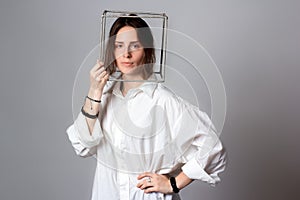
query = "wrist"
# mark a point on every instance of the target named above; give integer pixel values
(91, 108)
(95, 94)
(89, 115)
(173, 184)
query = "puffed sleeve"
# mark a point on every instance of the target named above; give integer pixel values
(209, 157)
(84, 143)
(201, 152)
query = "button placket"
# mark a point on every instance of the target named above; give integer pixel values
(124, 186)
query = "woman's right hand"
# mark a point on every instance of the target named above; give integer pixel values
(98, 79)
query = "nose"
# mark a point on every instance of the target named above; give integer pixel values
(127, 53)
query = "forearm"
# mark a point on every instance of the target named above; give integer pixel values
(182, 180)
(92, 108)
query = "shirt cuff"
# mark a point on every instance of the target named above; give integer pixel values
(88, 140)
(194, 170)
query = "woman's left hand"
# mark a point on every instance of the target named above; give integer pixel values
(154, 183)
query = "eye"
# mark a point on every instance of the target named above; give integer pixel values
(118, 46)
(135, 46)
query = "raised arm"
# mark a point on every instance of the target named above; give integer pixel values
(98, 79)
(85, 133)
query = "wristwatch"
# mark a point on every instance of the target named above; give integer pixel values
(173, 184)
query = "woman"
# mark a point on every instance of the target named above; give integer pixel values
(149, 142)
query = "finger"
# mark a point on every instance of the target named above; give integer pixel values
(106, 77)
(139, 184)
(100, 62)
(146, 185)
(99, 72)
(97, 66)
(145, 174)
(101, 76)
(150, 189)
(101, 69)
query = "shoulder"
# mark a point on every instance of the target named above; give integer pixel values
(164, 92)
(180, 110)
(178, 105)
(165, 95)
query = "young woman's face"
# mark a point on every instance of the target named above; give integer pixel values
(129, 52)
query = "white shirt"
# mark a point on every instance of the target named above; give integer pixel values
(149, 130)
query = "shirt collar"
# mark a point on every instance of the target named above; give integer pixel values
(147, 87)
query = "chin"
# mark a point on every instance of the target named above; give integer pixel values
(134, 71)
(127, 70)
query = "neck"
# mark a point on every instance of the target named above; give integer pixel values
(126, 86)
(134, 76)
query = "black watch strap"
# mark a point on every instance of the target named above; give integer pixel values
(173, 184)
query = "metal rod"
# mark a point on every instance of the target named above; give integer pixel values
(130, 12)
(117, 14)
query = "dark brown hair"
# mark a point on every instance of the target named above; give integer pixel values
(145, 38)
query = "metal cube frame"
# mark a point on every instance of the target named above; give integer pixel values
(160, 73)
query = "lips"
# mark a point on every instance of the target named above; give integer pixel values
(127, 64)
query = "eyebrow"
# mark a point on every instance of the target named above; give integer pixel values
(130, 42)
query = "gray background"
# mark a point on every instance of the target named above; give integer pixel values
(255, 44)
